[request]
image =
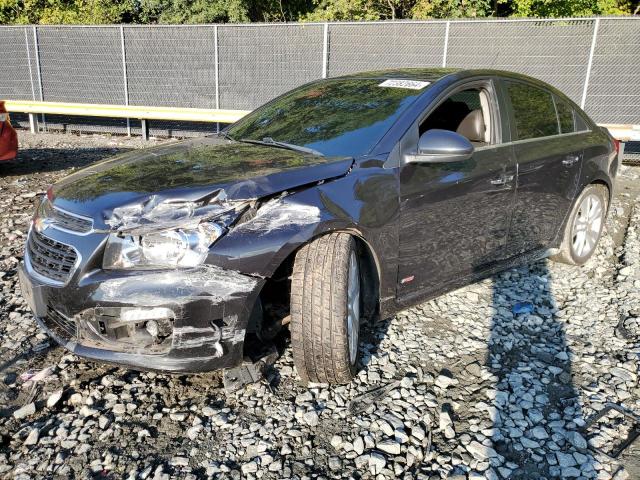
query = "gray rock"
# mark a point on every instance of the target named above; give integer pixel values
(376, 462)
(119, 409)
(445, 382)
(54, 398)
(358, 445)
(25, 411)
(311, 418)
(32, 438)
(480, 451)
(389, 446)
(180, 461)
(528, 443)
(249, 467)
(576, 440)
(539, 433)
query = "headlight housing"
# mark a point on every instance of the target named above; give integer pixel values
(176, 248)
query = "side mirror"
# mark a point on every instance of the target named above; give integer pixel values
(441, 146)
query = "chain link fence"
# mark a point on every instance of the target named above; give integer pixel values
(595, 61)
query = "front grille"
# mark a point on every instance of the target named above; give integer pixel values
(60, 325)
(70, 221)
(49, 258)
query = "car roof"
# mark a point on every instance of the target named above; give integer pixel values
(426, 74)
(452, 75)
(435, 74)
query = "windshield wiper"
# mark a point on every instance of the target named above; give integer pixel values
(288, 146)
(226, 136)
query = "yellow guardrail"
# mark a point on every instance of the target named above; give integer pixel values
(121, 111)
(129, 111)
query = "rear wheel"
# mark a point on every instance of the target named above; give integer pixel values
(584, 227)
(325, 309)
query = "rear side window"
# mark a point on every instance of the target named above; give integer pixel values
(581, 123)
(533, 110)
(565, 116)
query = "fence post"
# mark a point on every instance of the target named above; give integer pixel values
(325, 49)
(38, 68)
(124, 77)
(593, 47)
(32, 118)
(446, 45)
(216, 71)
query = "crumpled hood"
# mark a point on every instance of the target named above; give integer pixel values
(208, 169)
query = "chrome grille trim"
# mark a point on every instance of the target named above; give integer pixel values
(60, 324)
(71, 222)
(51, 261)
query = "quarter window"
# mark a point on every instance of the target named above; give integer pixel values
(565, 116)
(534, 111)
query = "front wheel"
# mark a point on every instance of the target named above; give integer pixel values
(325, 309)
(584, 226)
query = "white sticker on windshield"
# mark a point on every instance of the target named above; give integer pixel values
(412, 84)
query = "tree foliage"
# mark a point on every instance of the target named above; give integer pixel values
(66, 11)
(568, 8)
(233, 11)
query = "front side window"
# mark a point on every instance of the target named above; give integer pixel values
(533, 111)
(465, 112)
(565, 116)
(335, 117)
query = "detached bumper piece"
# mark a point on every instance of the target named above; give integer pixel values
(175, 321)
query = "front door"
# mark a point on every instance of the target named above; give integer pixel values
(454, 216)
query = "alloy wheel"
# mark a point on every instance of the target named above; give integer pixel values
(353, 307)
(587, 225)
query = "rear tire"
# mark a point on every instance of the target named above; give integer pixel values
(325, 309)
(584, 226)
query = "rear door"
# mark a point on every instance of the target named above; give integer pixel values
(549, 158)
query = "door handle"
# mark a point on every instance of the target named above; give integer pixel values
(570, 160)
(504, 179)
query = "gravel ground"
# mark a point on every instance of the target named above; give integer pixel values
(473, 389)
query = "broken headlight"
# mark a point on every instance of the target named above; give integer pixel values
(176, 248)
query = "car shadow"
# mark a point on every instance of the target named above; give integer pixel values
(537, 413)
(39, 160)
(372, 334)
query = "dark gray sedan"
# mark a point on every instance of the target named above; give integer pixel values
(343, 200)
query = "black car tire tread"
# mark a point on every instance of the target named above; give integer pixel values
(565, 254)
(319, 310)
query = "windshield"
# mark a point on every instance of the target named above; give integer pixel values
(342, 117)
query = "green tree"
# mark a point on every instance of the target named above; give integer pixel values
(344, 10)
(567, 8)
(230, 11)
(188, 11)
(423, 9)
(278, 10)
(353, 10)
(66, 11)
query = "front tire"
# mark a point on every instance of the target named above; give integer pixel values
(326, 309)
(584, 226)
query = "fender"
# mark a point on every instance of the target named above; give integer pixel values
(364, 203)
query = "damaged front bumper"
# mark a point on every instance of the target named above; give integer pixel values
(189, 321)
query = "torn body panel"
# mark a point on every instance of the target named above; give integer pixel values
(179, 321)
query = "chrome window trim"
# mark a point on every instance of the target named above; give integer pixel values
(42, 278)
(546, 137)
(528, 140)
